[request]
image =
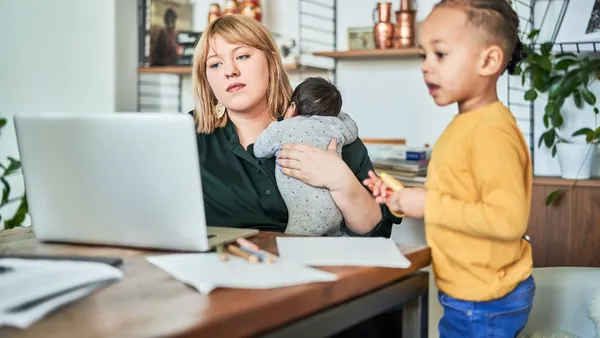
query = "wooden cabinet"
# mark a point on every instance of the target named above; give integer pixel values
(568, 233)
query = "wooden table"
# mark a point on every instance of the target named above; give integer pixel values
(150, 303)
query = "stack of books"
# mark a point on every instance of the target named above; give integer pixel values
(408, 164)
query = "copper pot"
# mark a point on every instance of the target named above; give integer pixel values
(383, 30)
(404, 32)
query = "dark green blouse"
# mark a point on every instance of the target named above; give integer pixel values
(240, 190)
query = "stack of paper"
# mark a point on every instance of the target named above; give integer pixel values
(205, 272)
(30, 289)
(342, 251)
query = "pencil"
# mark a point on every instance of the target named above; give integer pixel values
(246, 243)
(263, 255)
(269, 255)
(241, 253)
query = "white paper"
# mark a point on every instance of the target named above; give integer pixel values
(206, 272)
(342, 251)
(35, 287)
(24, 319)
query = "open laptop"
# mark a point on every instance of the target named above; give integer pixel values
(118, 179)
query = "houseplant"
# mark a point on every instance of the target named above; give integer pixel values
(565, 81)
(9, 168)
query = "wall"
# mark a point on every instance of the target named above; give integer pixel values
(61, 56)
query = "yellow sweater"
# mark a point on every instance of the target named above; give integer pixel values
(479, 185)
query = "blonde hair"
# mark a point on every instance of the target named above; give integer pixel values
(243, 30)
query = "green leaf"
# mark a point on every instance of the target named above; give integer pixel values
(549, 138)
(553, 150)
(554, 90)
(533, 34)
(577, 99)
(19, 216)
(543, 62)
(567, 55)
(530, 95)
(564, 64)
(585, 77)
(546, 120)
(582, 131)
(554, 197)
(13, 166)
(557, 120)
(549, 110)
(541, 81)
(588, 96)
(596, 111)
(589, 137)
(5, 191)
(546, 48)
(2, 122)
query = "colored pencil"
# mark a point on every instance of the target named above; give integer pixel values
(246, 243)
(243, 254)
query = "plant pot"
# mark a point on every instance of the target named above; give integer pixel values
(576, 160)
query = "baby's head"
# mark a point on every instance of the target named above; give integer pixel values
(315, 96)
(467, 45)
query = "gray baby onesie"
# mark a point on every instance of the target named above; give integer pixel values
(311, 210)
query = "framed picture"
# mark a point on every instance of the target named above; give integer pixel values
(360, 38)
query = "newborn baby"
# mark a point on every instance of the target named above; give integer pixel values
(314, 117)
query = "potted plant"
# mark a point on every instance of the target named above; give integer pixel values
(565, 81)
(10, 168)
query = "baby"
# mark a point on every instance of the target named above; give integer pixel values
(314, 117)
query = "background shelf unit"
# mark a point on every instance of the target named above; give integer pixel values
(160, 88)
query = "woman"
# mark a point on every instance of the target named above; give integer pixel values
(241, 87)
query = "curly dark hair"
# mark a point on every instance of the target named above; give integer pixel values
(499, 23)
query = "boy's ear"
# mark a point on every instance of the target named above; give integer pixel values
(491, 61)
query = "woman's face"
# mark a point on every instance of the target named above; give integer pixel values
(238, 75)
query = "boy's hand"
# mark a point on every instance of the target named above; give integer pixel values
(409, 201)
(380, 191)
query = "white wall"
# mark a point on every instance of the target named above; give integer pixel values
(63, 55)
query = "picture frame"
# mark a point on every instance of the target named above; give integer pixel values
(360, 38)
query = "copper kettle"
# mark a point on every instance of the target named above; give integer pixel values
(383, 29)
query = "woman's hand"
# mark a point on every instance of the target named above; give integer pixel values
(317, 167)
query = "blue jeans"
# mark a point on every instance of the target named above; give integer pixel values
(498, 318)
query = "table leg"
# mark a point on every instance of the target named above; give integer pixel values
(415, 320)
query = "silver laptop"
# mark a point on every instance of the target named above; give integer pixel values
(118, 179)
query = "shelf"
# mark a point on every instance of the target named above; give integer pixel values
(384, 141)
(187, 70)
(557, 181)
(181, 70)
(372, 53)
